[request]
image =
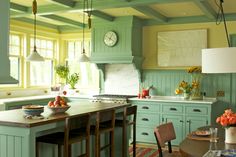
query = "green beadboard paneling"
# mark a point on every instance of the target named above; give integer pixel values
(166, 81)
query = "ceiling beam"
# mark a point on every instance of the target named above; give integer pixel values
(102, 15)
(206, 8)
(64, 20)
(40, 23)
(18, 8)
(151, 13)
(97, 5)
(66, 3)
(189, 19)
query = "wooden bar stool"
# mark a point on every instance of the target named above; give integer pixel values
(129, 118)
(105, 123)
(77, 128)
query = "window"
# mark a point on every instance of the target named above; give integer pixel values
(15, 52)
(41, 73)
(88, 73)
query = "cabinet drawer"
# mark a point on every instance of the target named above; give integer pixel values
(145, 134)
(148, 108)
(200, 110)
(172, 108)
(149, 120)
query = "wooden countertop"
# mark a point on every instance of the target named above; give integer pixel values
(16, 117)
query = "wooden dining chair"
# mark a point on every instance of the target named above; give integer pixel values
(105, 123)
(129, 118)
(165, 133)
(77, 128)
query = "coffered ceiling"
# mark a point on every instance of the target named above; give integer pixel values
(65, 15)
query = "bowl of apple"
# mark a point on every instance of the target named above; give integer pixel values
(59, 105)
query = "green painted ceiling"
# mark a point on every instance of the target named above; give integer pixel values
(66, 15)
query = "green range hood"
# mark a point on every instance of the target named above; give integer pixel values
(127, 49)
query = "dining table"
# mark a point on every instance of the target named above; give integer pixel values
(193, 146)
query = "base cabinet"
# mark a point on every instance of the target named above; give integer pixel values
(178, 123)
(186, 117)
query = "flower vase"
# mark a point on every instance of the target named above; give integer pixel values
(196, 80)
(230, 135)
(186, 95)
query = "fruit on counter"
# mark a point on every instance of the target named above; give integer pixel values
(58, 102)
(64, 92)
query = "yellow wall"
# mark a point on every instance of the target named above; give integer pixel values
(215, 33)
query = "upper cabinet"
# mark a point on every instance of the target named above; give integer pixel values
(5, 77)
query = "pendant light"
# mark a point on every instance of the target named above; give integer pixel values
(83, 57)
(34, 56)
(219, 60)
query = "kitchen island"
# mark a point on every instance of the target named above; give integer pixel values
(18, 134)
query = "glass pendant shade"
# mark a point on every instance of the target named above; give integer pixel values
(83, 57)
(35, 56)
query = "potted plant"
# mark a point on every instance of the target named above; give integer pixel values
(62, 71)
(73, 79)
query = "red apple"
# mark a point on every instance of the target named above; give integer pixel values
(50, 103)
(58, 98)
(64, 92)
(56, 103)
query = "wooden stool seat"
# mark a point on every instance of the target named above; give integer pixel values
(129, 118)
(105, 123)
(77, 128)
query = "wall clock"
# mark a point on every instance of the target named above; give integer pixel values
(110, 38)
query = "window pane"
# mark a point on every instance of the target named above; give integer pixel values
(15, 40)
(41, 73)
(14, 45)
(14, 63)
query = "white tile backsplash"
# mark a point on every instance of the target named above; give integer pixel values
(121, 79)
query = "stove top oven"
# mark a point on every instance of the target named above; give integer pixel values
(110, 98)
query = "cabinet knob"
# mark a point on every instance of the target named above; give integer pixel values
(145, 119)
(181, 121)
(144, 133)
(145, 107)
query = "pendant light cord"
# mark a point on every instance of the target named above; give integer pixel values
(34, 6)
(220, 17)
(83, 26)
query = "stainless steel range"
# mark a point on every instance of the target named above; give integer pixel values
(110, 98)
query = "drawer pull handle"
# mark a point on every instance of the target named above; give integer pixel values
(145, 107)
(145, 119)
(144, 133)
(173, 109)
(196, 110)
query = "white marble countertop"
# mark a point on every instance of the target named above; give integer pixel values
(206, 100)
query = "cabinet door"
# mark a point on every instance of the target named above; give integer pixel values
(194, 122)
(177, 121)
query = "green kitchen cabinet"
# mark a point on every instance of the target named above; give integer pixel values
(186, 117)
(193, 122)
(178, 123)
(147, 117)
